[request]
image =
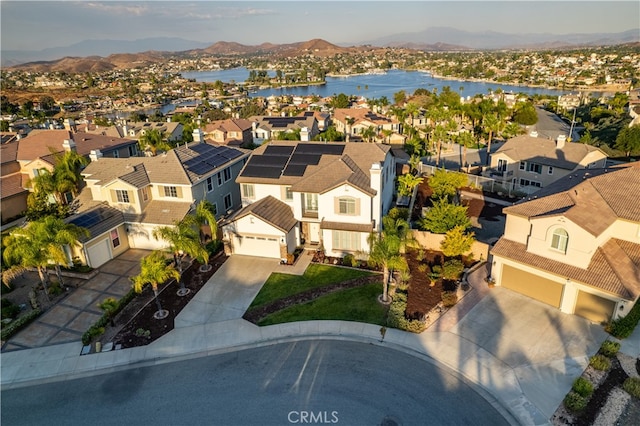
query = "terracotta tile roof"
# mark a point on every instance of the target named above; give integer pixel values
(8, 152)
(11, 185)
(271, 210)
(159, 212)
(326, 177)
(41, 143)
(543, 151)
(228, 125)
(614, 268)
(137, 177)
(362, 115)
(342, 226)
(593, 199)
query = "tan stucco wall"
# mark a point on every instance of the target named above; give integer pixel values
(432, 241)
(580, 248)
(13, 206)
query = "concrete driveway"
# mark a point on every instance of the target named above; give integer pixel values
(229, 292)
(545, 348)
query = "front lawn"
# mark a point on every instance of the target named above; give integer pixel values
(354, 304)
(282, 285)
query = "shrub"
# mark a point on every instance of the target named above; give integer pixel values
(396, 316)
(55, 289)
(582, 387)
(632, 386)
(600, 362)
(449, 298)
(350, 260)
(609, 348)
(575, 402)
(213, 246)
(6, 288)
(422, 268)
(452, 269)
(19, 324)
(291, 258)
(9, 309)
(141, 332)
(97, 329)
(623, 327)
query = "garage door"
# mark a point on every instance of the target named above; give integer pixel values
(594, 308)
(257, 246)
(547, 291)
(99, 254)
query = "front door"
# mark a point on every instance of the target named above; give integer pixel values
(314, 232)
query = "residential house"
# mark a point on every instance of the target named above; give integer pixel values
(13, 193)
(136, 130)
(527, 162)
(576, 244)
(271, 127)
(328, 195)
(147, 192)
(354, 121)
(233, 132)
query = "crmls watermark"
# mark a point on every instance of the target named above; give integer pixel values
(310, 417)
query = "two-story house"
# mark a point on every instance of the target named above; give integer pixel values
(172, 130)
(147, 192)
(329, 195)
(576, 244)
(12, 192)
(233, 131)
(354, 121)
(528, 162)
(271, 127)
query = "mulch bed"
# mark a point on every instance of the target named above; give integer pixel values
(421, 297)
(255, 315)
(138, 314)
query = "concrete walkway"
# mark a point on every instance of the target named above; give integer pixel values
(522, 352)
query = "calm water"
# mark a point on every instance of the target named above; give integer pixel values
(372, 85)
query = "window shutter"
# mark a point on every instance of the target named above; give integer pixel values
(114, 196)
(179, 191)
(357, 208)
(336, 205)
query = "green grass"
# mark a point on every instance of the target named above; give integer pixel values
(354, 304)
(282, 285)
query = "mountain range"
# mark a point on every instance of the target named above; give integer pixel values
(100, 55)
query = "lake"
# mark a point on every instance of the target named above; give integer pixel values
(372, 85)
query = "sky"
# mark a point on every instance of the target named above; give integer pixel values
(35, 25)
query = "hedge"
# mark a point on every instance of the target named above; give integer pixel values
(397, 319)
(19, 324)
(623, 327)
(98, 327)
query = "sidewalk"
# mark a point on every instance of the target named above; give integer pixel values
(521, 353)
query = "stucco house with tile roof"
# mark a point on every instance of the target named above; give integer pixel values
(362, 119)
(529, 162)
(328, 195)
(12, 192)
(266, 127)
(232, 131)
(156, 191)
(575, 245)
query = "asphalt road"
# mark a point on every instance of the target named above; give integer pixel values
(310, 382)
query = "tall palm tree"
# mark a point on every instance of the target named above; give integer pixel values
(69, 166)
(369, 133)
(204, 215)
(467, 140)
(22, 252)
(384, 252)
(183, 241)
(154, 271)
(490, 124)
(52, 183)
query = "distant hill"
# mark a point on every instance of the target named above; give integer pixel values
(498, 40)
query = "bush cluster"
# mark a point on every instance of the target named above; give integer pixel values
(600, 362)
(19, 324)
(609, 348)
(623, 327)
(449, 298)
(350, 260)
(582, 387)
(9, 309)
(575, 402)
(632, 386)
(98, 328)
(396, 316)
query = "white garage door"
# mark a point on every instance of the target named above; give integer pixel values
(99, 254)
(257, 246)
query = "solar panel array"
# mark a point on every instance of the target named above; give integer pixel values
(280, 160)
(209, 158)
(92, 217)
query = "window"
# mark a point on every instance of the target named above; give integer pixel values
(311, 202)
(133, 151)
(145, 194)
(171, 191)
(227, 202)
(122, 196)
(116, 154)
(288, 193)
(502, 165)
(345, 240)
(523, 165)
(559, 240)
(115, 238)
(224, 176)
(347, 206)
(527, 182)
(534, 167)
(248, 191)
(210, 184)
(550, 171)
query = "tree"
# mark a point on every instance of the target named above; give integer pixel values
(369, 133)
(152, 141)
(154, 271)
(446, 184)
(385, 253)
(183, 241)
(525, 114)
(399, 97)
(22, 252)
(340, 101)
(511, 129)
(467, 140)
(443, 217)
(69, 167)
(490, 124)
(407, 182)
(457, 242)
(628, 140)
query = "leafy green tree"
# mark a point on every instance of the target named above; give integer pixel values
(399, 97)
(407, 182)
(154, 271)
(446, 184)
(628, 140)
(340, 101)
(457, 242)
(47, 103)
(443, 217)
(525, 114)
(153, 141)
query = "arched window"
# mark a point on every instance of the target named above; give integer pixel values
(559, 240)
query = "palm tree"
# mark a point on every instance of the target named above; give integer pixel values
(154, 271)
(68, 167)
(183, 241)
(22, 252)
(369, 133)
(154, 140)
(467, 140)
(385, 253)
(490, 124)
(348, 123)
(53, 184)
(204, 215)
(407, 183)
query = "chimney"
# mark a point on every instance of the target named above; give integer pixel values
(125, 130)
(70, 125)
(69, 145)
(198, 136)
(95, 154)
(304, 134)
(560, 141)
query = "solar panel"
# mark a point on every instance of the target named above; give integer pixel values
(295, 170)
(268, 160)
(309, 148)
(305, 159)
(200, 147)
(91, 218)
(262, 171)
(279, 150)
(200, 168)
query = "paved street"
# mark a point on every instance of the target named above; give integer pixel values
(351, 383)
